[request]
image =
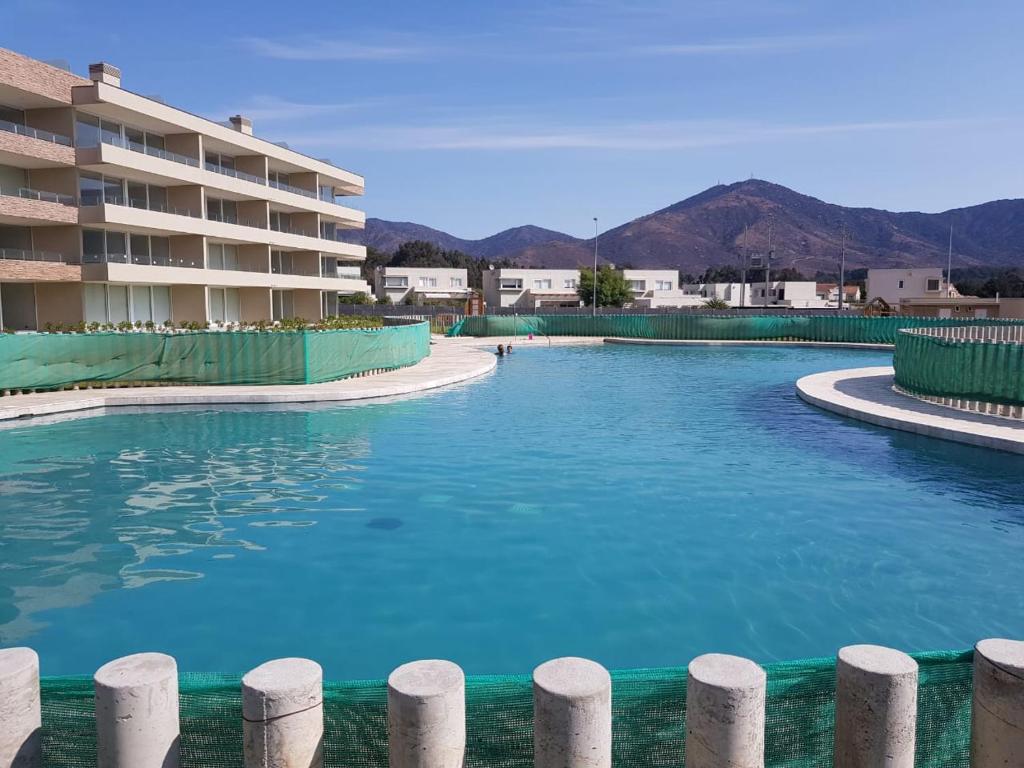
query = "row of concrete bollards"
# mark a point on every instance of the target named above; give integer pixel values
(137, 723)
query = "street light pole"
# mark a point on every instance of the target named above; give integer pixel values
(593, 298)
(842, 271)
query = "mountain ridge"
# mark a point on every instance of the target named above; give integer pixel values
(707, 230)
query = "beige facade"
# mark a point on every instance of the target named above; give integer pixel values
(116, 207)
(956, 307)
(895, 285)
(420, 285)
(531, 289)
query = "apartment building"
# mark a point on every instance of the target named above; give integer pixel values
(531, 289)
(895, 285)
(418, 285)
(118, 207)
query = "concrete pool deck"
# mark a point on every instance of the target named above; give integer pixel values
(447, 364)
(866, 394)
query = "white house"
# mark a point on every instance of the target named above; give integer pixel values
(895, 285)
(419, 284)
(531, 289)
(829, 293)
(796, 294)
(653, 288)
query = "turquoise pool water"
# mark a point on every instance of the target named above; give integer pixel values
(633, 505)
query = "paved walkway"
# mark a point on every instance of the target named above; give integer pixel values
(867, 394)
(447, 364)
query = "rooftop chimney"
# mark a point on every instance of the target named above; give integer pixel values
(241, 124)
(101, 72)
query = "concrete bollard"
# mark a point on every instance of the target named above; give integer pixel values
(572, 714)
(725, 712)
(427, 715)
(283, 715)
(137, 712)
(20, 715)
(997, 709)
(876, 708)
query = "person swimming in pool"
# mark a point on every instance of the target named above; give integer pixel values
(508, 349)
(501, 350)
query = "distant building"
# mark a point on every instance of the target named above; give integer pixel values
(829, 293)
(796, 294)
(955, 307)
(653, 288)
(419, 285)
(895, 285)
(531, 289)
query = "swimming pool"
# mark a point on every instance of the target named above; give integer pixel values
(636, 506)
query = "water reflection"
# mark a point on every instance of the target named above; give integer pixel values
(98, 518)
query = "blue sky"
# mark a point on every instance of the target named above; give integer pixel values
(473, 116)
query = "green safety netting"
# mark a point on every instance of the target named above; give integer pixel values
(50, 361)
(858, 329)
(648, 707)
(992, 372)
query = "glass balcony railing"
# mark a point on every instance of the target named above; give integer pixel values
(294, 190)
(35, 133)
(36, 194)
(141, 259)
(163, 154)
(18, 254)
(232, 172)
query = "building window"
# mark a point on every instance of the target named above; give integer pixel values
(663, 285)
(456, 282)
(221, 256)
(933, 284)
(283, 304)
(281, 264)
(569, 282)
(900, 284)
(94, 189)
(225, 306)
(428, 282)
(99, 246)
(215, 161)
(638, 286)
(221, 210)
(510, 283)
(542, 285)
(396, 282)
(105, 303)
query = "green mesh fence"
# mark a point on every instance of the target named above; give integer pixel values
(858, 329)
(51, 361)
(648, 709)
(973, 370)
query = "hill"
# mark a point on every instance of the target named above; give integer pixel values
(707, 230)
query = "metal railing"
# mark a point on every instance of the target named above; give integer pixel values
(234, 173)
(1006, 334)
(34, 133)
(141, 260)
(294, 190)
(91, 198)
(163, 154)
(19, 254)
(36, 194)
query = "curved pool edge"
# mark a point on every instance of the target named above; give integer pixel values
(751, 343)
(867, 394)
(447, 364)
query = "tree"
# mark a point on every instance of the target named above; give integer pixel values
(374, 259)
(715, 304)
(612, 288)
(358, 298)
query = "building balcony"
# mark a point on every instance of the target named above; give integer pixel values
(112, 213)
(108, 101)
(121, 268)
(32, 207)
(137, 162)
(18, 265)
(25, 147)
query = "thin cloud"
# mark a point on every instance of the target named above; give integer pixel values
(751, 46)
(329, 49)
(274, 109)
(646, 136)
